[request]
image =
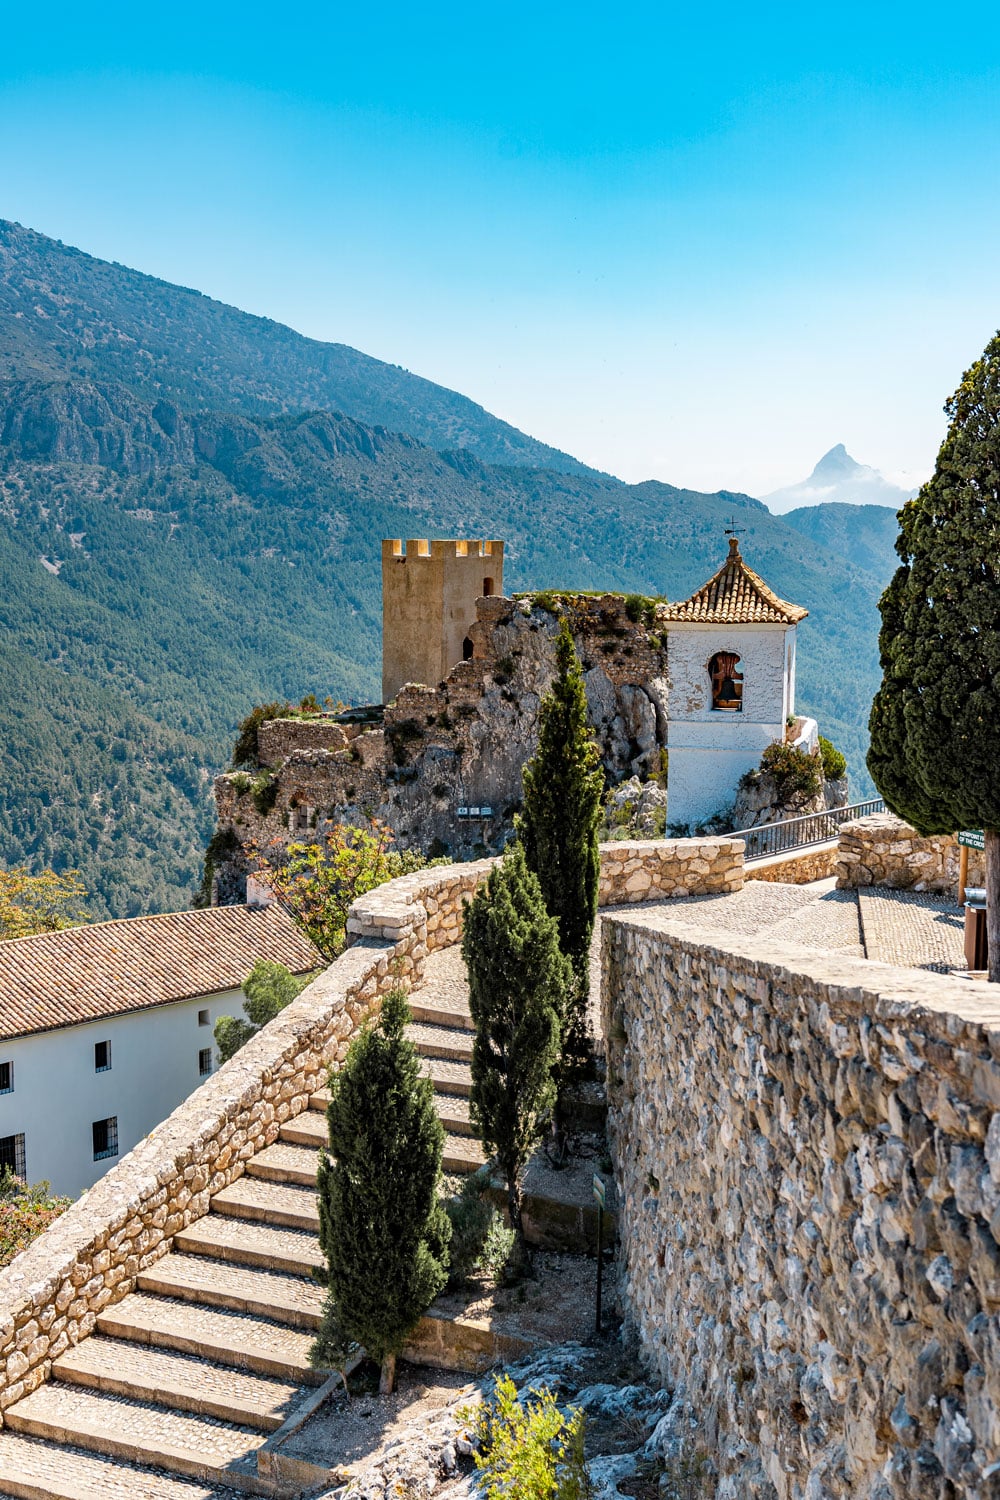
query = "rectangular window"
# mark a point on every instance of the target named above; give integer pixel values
(6, 1077)
(12, 1155)
(102, 1057)
(105, 1138)
(203, 1018)
(205, 1061)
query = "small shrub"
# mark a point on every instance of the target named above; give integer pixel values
(264, 791)
(530, 1450)
(471, 1219)
(245, 749)
(25, 1210)
(498, 1257)
(242, 781)
(268, 988)
(834, 762)
(795, 772)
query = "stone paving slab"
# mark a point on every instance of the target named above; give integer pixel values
(912, 929)
(178, 1380)
(216, 1334)
(251, 1243)
(33, 1470)
(462, 1153)
(296, 1300)
(270, 1202)
(284, 1162)
(201, 1447)
(307, 1129)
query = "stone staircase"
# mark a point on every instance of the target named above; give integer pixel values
(184, 1380)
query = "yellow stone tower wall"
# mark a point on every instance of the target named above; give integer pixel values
(429, 593)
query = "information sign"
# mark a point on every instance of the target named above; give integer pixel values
(972, 839)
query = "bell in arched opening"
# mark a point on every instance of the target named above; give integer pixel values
(727, 683)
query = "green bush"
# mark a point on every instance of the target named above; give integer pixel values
(265, 793)
(834, 763)
(795, 772)
(268, 988)
(471, 1218)
(245, 749)
(530, 1450)
(25, 1210)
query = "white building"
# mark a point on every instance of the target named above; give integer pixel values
(105, 1029)
(732, 686)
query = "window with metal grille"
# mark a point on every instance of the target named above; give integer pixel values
(6, 1077)
(205, 1061)
(102, 1057)
(203, 1018)
(12, 1155)
(105, 1137)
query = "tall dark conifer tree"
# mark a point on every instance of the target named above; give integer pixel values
(934, 722)
(383, 1231)
(558, 827)
(518, 980)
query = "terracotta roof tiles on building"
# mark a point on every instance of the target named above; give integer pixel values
(735, 595)
(109, 968)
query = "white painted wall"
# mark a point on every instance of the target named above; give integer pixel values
(58, 1094)
(710, 750)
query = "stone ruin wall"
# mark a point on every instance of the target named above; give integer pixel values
(462, 742)
(89, 1259)
(883, 850)
(807, 1153)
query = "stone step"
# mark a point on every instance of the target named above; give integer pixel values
(441, 1042)
(462, 1154)
(216, 1334)
(33, 1470)
(275, 1203)
(448, 1077)
(246, 1242)
(283, 1162)
(178, 1380)
(295, 1300)
(434, 1010)
(309, 1129)
(453, 1113)
(198, 1447)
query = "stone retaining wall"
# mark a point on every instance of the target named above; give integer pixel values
(51, 1294)
(797, 866)
(883, 850)
(807, 1151)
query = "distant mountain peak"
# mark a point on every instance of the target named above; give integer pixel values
(838, 479)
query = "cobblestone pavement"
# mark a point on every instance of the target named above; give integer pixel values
(895, 927)
(905, 927)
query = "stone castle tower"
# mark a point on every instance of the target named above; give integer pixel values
(429, 593)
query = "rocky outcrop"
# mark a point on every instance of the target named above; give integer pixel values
(443, 769)
(807, 1153)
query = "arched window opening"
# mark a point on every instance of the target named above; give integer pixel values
(487, 587)
(467, 649)
(727, 683)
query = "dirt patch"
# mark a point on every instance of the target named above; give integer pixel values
(555, 1305)
(347, 1430)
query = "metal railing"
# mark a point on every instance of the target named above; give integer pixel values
(799, 833)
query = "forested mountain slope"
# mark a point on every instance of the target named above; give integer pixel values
(180, 539)
(64, 313)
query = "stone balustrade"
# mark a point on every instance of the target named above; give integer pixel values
(807, 1153)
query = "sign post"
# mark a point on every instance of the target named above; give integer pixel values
(599, 1196)
(972, 838)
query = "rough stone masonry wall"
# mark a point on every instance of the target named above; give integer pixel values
(51, 1294)
(883, 850)
(807, 1152)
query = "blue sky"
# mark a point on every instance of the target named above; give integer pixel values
(696, 247)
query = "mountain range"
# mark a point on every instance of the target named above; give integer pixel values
(838, 479)
(191, 505)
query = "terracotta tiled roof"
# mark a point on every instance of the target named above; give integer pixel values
(63, 978)
(735, 596)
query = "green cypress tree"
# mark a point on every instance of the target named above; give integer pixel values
(563, 786)
(934, 720)
(518, 980)
(383, 1231)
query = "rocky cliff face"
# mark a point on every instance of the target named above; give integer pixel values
(444, 768)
